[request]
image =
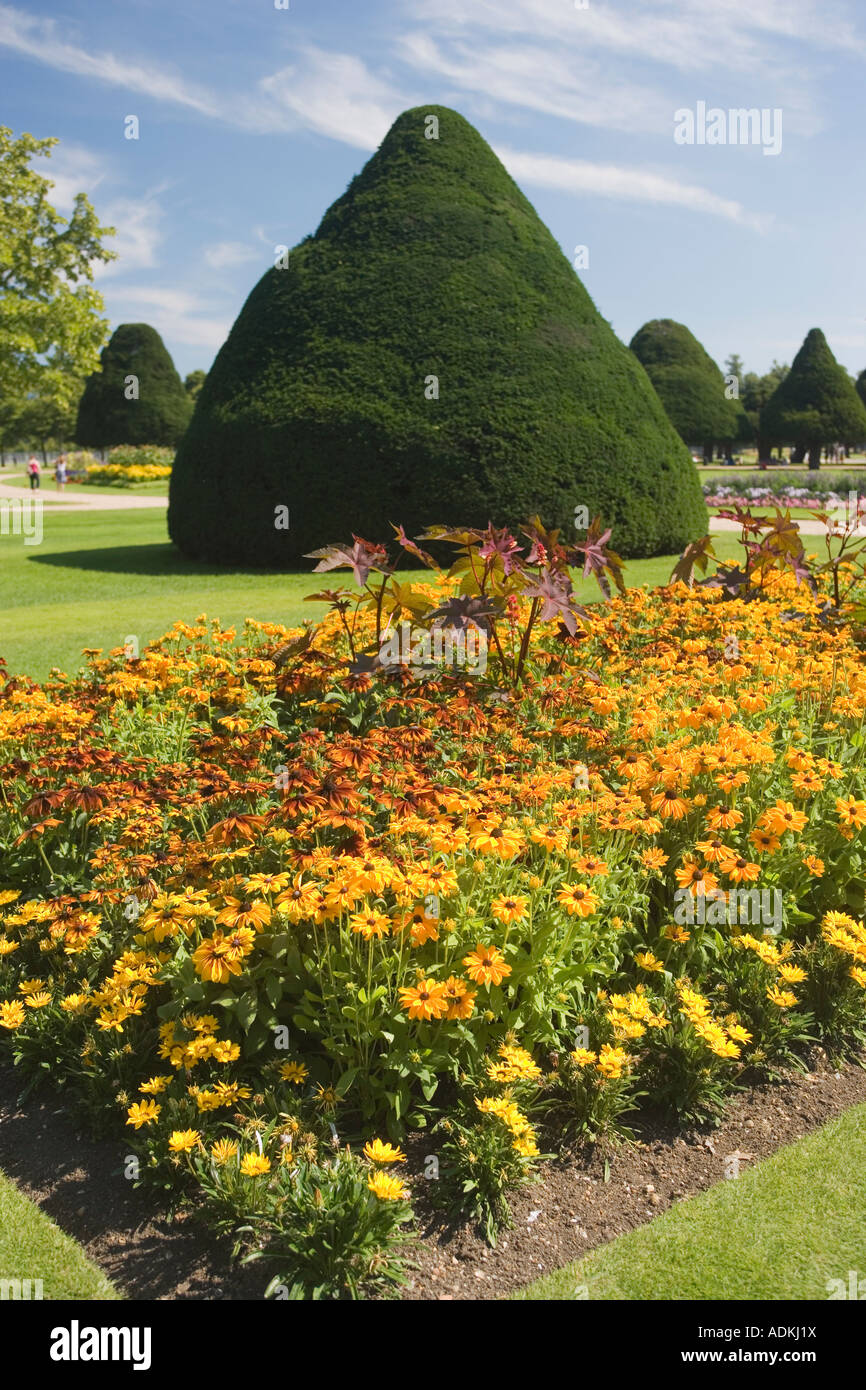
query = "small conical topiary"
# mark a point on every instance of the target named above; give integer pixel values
(428, 356)
(136, 397)
(689, 384)
(816, 404)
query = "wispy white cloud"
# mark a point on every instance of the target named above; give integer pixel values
(555, 82)
(222, 254)
(548, 56)
(40, 40)
(690, 35)
(333, 94)
(539, 55)
(616, 181)
(138, 221)
(176, 314)
(72, 169)
(138, 224)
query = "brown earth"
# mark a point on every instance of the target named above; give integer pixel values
(583, 1200)
(586, 1199)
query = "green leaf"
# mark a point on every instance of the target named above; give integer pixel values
(345, 1081)
(246, 1010)
(273, 988)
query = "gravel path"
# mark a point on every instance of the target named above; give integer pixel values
(78, 500)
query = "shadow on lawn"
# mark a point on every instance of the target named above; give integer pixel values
(158, 560)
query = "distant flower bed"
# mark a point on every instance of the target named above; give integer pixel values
(784, 490)
(127, 463)
(115, 473)
(765, 497)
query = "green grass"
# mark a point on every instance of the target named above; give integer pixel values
(49, 493)
(99, 577)
(827, 473)
(780, 1231)
(32, 1247)
(796, 513)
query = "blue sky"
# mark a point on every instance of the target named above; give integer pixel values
(253, 120)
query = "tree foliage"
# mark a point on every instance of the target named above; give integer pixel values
(816, 403)
(136, 397)
(51, 327)
(193, 382)
(689, 384)
(428, 353)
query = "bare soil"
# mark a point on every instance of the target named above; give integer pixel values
(584, 1200)
(588, 1198)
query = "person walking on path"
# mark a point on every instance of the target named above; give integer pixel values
(33, 472)
(60, 472)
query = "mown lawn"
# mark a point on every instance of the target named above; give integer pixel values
(828, 472)
(50, 492)
(782, 1230)
(32, 1247)
(796, 513)
(100, 577)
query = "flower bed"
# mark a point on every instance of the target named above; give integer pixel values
(115, 473)
(267, 892)
(784, 490)
(128, 463)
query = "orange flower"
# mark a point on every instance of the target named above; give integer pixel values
(215, 961)
(461, 1000)
(370, 924)
(670, 804)
(426, 999)
(654, 859)
(723, 817)
(241, 912)
(713, 850)
(696, 878)
(740, 870)
(502, 840)
(781, 817)
(578, 899)
(764, 841)
(587, 864)
(486, 965)
(508, 909)
(851, 812)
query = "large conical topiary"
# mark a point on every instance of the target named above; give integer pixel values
(136, 397)
(428, 356)
(690, 385)
(816, 404)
